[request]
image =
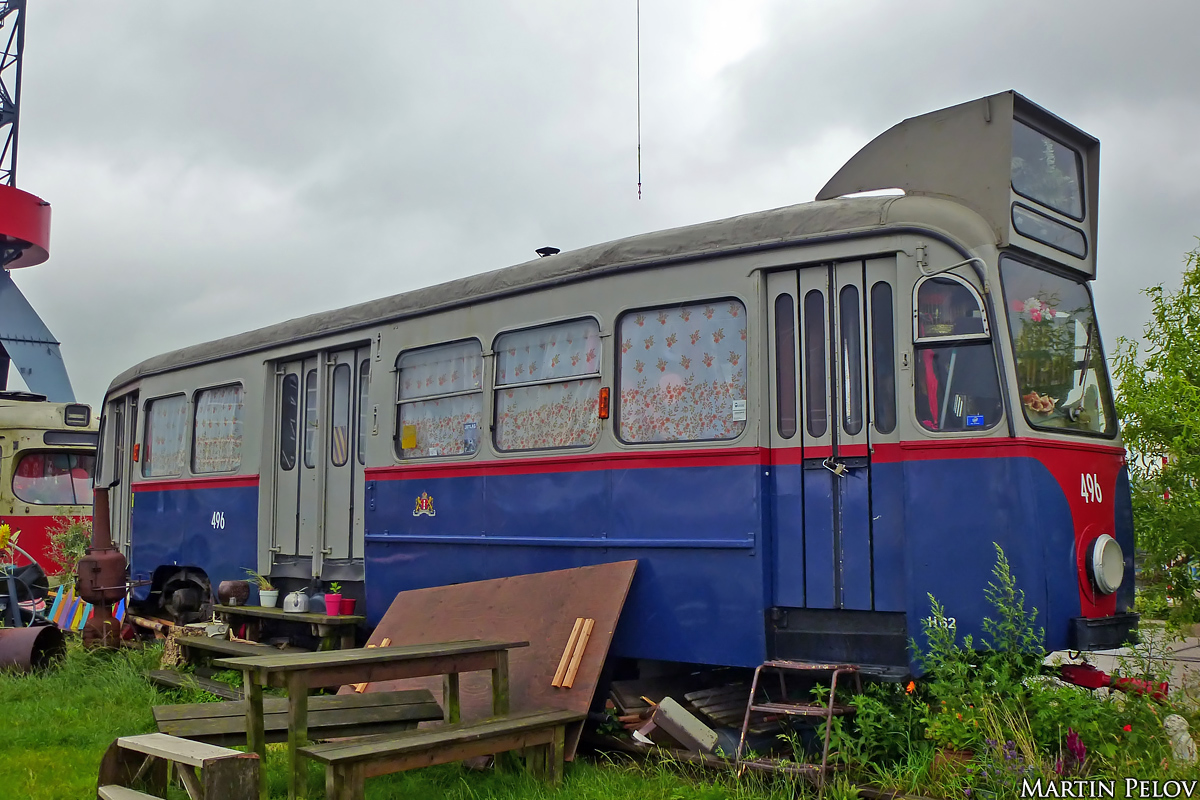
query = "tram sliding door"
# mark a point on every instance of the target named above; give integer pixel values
(122, 416)
(821, 471)
(319, 471)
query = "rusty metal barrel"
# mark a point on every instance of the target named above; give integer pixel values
(28, 649)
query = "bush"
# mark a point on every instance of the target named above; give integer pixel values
(70, 537)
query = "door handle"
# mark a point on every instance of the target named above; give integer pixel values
(834, 466)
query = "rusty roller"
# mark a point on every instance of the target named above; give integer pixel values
(27, 649)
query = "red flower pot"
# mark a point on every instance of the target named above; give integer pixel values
(333, 604)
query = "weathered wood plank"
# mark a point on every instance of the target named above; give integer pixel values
(367, 747)
(272, 705)
(256, 740)
(172, 748)
(229, 648)
(177, 680)
(121, 793)
(500, 685)
(335, 674)
(233, 778)
(122, 767)
(297, 733)
(284, 662)
(322, 724)
(291, 616)
(458, 751)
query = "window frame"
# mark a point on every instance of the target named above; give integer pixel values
(1109, 401)
(194, 403)
(949, 337)
(397, 432)
(23, 454)
(598, 376)
(333, 411)
(1079, 171)
(617, 354)
(297, 443)
(149, 451)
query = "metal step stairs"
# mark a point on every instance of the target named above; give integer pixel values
(783, 706)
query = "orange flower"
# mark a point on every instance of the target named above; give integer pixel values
(912, 687)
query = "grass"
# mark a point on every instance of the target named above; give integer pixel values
(57, 725)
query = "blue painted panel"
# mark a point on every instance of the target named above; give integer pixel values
(458, 505)
(855, 539)
(1123, 533)
(890, 559)
(787, 528)
(687, 502)
(175, 527)
(818, 539)
(957, 510)
(570, 503)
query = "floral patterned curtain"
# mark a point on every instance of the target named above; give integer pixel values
(166, 433)
(440, 370)
(683, 373)
(448, 426)
(564, 350)
(218, 440)
(548, 415)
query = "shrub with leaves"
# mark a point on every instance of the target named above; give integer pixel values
(1158, 400)
(70, 537)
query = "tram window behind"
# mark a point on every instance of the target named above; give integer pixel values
(54, 479)
(439, 400)
(957, 387)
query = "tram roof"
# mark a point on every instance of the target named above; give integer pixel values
(775, 227)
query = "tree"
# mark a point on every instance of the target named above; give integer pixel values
(1158, 400)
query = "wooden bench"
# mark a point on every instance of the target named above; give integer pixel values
(349, 762)
(329, 717)
(205, 647)
(207, 772)
(171, 679)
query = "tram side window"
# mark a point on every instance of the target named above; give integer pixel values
(957, 387)
(548, 386)
(785, 365)
(339, 433)
(439, 400)
(682, 373)
(289, 417)
(814, 363)
(217, 435)
(311, 421)
(364, 382)
(54, 479)
(883, 357)
(165, 441)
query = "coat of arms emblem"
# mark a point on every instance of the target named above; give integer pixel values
(424, 506)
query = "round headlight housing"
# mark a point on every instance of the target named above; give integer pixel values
(1106, 563)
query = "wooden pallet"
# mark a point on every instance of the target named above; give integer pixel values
(171, 679)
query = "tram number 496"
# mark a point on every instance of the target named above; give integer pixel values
(1089, 488)
(218, 520)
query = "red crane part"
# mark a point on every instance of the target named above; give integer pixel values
(25, 225)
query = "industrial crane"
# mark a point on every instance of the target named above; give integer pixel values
(24, 236)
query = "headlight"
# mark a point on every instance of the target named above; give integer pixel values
(1106, 563)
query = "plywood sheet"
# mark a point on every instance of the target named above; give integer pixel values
(540, 608)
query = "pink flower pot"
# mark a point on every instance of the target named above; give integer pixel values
(333, 604)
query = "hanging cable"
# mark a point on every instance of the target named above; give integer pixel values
(639, 96)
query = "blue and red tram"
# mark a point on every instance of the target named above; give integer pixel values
(801, 422)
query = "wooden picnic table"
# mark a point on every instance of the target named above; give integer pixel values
(334, 630)
(299, 672)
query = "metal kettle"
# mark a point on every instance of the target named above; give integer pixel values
(296, 602)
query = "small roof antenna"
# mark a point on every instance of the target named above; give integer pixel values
(547, 251)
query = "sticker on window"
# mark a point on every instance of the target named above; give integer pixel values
(739, 410)
(408, 437)
(470, 436)
(975, 421)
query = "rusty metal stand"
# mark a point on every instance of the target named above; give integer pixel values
(801, 709)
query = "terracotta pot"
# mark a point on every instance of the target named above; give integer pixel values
(233, 593)
(333, 604)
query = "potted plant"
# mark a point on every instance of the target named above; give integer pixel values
(268, 595)
(333, 600)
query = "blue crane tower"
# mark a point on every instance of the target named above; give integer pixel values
(24, 237)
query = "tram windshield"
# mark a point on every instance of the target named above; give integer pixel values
(1061, 373)
(54, 479)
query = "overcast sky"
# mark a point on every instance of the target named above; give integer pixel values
(219, 166)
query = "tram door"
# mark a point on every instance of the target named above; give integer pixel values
(122, 416)
(822, 470)
(319, 469)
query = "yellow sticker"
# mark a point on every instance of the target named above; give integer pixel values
(408, 437)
